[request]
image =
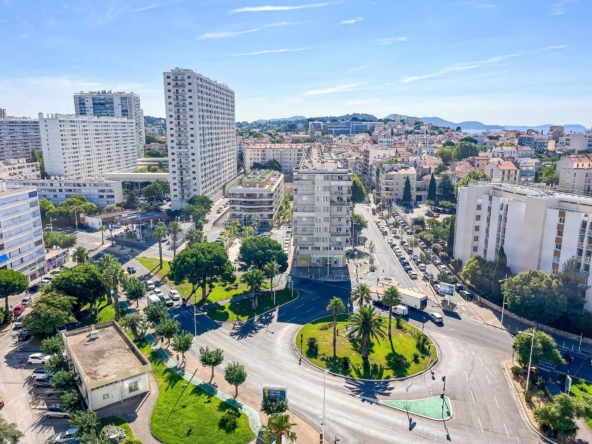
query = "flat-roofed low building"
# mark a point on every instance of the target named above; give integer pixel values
(110, 366)
(259, 195)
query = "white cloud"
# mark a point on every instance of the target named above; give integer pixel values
(390, 40)
(333, 89)
(279, 8)
(221, 35)
(361, 102)
(357, 68)
(352, 21)
(439, 73)
(477, 5)
(145, 8)
(269, 51)
(559, 8)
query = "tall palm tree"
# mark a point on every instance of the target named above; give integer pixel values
(115, 277)
(174, 230)
(391, 298)
(105, 262)
(336, 304)
(131, 235)
(371, 247)
(80, 255)
(362, 295)
(279, 427)
(133, 322)
(102, 229)
(253, 280)
(194, 236)
(271, 270)
(367, 326)
(160, 232)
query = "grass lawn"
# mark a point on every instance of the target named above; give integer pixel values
(185, 414)
(106, 313)
(578, 388)
(219, 293)
(241, 310)
(383, 356)
(114, 420)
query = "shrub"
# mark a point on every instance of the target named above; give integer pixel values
(327, 326)
(400, 323)
(437, 248)
(375, 367)
(443, 255)
(273, 406)
(312, 343)
(416, 357)
(516, 371)
(399, 361)
(528, 395)
(345, 363)
(421, 339)
(113, 434)
(228, 420)
(2, 315)
(456, 265)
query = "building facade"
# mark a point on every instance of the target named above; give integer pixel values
(18, 137)
(322, 210)
(58, 189)
(21, 233)
(81, 147)
(575, 172)
(19, 169)
(503, 171)
(539, 229)
(259, 195)
(201, 135)
(392, 182)
(113, 104)
(289, 155)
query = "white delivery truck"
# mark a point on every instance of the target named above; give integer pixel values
(401, 310)
(153, 299)
(412, 299)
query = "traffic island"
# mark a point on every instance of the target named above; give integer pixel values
(432, 408)
(396, 357)
(240, 310)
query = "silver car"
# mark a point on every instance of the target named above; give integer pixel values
(57, 411)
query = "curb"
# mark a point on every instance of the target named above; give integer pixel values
(423, 416)
(432, 366)
(518, 401)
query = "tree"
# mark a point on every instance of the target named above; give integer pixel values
(271, 270)
(256, 252)
(202, 201)
(168, 329)
(59, 239)
(432, 188)
(407, 196)
(544, 348)
(80, 255)
(279, 427)
(235, 374)
(446, 189)
(358, 222)
(359, 189)
(11, 282)
(535, 295)
(202, 265)
(194, 236)
(115, 277)
(135, 290)
(472, 177)
(112, 434)
(86, 422)
(500, 267)
(366, 325)
(391, 298)
(9, 433)
(335, 305)
(182, 342)
(52, 345)
(549, 176)
(174, 230)
(63, 380)
(211, 358)
(156, 313)
(160, 232)
(371, 247)
(361, 294)
(270, 406)
(103, 264)
(135, 323)
(49, 311)
(253, 280)
(450, 242)
(462, 150)
(559, 416)
(70, 400)
(131, 235)
(132, 202)
(444, 278)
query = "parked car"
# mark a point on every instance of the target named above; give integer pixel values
(436, 318)
(19, 322)
(159, 293)
(57, 411)
(41, 373)
(27, 300)
(466, 294)
(149, 285)
(174, 295)
(412, 274)
(34, 288)
(436, 215)
(437, 261)
(442, 268)
(131, 270)
(428, 275)
(459, 287)
(18, 310)
(42, 382)
(167, 301)
(401, 310)
(24, 335)
(38, 358)
(63, 437)
(422, 267)
(45, 281)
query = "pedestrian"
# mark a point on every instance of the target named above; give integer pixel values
(177, 358)
(184, 362)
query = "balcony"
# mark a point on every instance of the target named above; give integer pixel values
(178, 84)
(303, 182)
(304, 244)
(180, 105)
(335, 203)
(303, 193)
(346, 183)
(298, 223)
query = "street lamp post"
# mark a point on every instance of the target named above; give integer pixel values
(530, 358)
(504, 302)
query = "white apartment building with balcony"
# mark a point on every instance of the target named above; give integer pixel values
(21, 234)
(289, 155)
(58, 189)
(201, 135)
(322, 210)
(19, 169)
(259, 195)
(113, 104)
(539, 229)
(18, 137)
(81, 147)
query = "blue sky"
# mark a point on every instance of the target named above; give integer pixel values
(498, 61)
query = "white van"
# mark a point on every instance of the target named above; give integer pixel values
(401, 310)
(153, 299)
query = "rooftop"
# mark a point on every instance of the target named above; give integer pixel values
(318, 161)
(111, 354)
(258, 176)
(139, 217)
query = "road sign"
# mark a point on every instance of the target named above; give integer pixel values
(568, 384)
(446, 289)
(275, 392)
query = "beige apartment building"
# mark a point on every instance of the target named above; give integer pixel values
(259, 195)
(575, 172)
(289, 155)
(322, 210)
(503, 171)
(392, 183)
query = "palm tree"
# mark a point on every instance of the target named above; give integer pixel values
(361, 294)
(279, 427)
(253, 280)
(160, 232)
(102, 229)
(391, 298)
(133, 322)
(367, 326)
(131, 235)
(194, 236)
(80, 255)
(336, 304)
(105, 262)
(371, 247)
(115, 277)
(271, 270)
(174, 230)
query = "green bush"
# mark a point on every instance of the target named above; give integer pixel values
(228, 420)
(346, 363)
(112, 434)
(416, 357)
(400, 323)
(516, 371)
(312, 343)
(2, 315)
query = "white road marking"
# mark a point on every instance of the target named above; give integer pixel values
(480, 424)
(461, 358)
(473, 396)
(481, 362)
(466, 376)
(495, 399)
(314, 299)
(506, 431)
(295, 308)
(310, 310)
(487, 379)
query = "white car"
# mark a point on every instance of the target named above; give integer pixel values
(436, 318)
(158, 292)
(442, 268)
(27, 300)
(19, 322)
(57, 411)
(150, 285)
(38, 358)
(174, 295)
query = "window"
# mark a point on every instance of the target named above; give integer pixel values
(133, 386)
(562, 221)
(559, 233)
(476, 239)
(478, 218)
(106, 396)
(555, 259)
(476, 227)
(479, 207)
(475, 249)
(558, 246)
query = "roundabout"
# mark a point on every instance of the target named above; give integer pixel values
(402, 354)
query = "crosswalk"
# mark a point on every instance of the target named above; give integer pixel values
(370, 280)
